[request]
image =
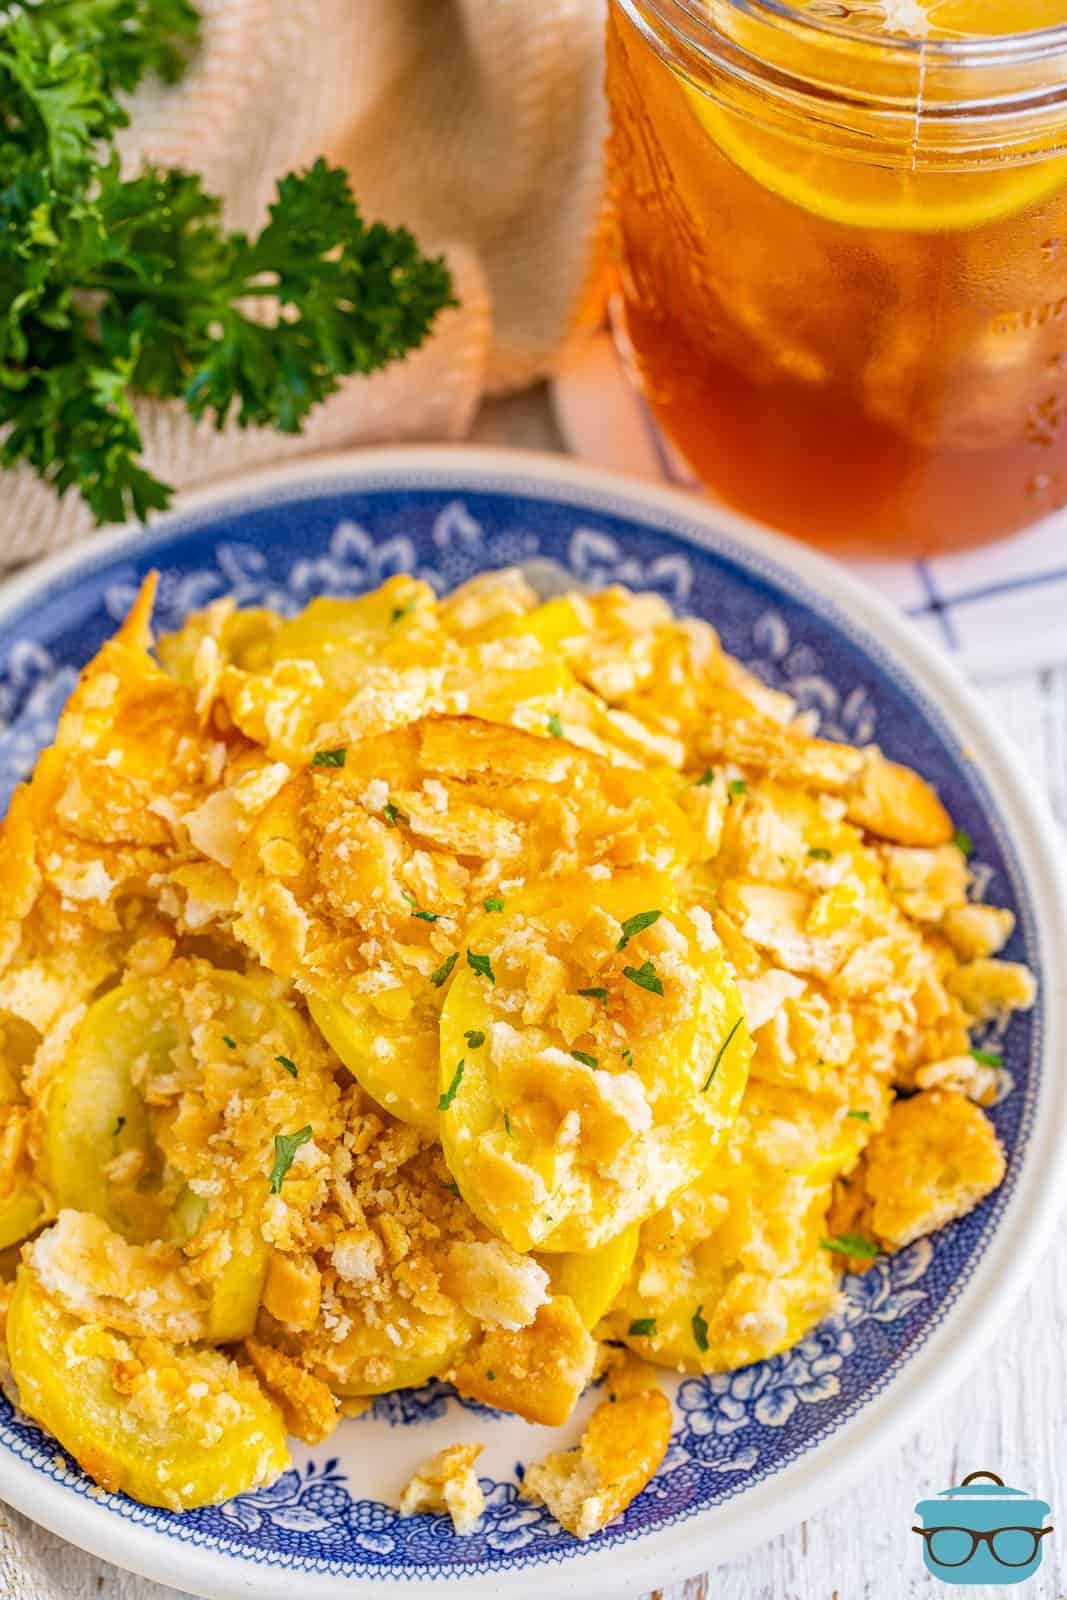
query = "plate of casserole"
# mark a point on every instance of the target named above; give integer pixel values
(531, 1023)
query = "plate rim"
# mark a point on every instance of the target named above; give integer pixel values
(1007, 1264)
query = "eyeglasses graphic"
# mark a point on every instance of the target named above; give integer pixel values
(954, 1547)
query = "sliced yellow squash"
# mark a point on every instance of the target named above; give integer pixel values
(614, 1060)
(594, 1278)
(170, 1426)
(394, 1058)
(95, 1112)
(21, 1212)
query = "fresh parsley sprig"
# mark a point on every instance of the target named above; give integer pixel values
(114, 285)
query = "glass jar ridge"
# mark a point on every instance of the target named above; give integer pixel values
(953, 104)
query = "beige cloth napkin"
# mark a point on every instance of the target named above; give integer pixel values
(477, 123)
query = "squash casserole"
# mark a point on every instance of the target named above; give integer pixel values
(494, 989)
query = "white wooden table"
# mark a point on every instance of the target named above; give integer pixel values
(1010, 1416)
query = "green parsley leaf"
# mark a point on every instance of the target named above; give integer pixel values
(329, 758)
(392, 816)
(490, 1374)
(117, 284)
(645, 976)
(475, 1038)
(587, 1061)
(738, 786)
(850, 1244)
(231, 1044)
(594, 994)
(422, 916)
(120, 1123)
(507, 1123)
(290, 1066)
(285, 1147)
(628, 1057)
(444, 970)
(453, 1088)
(710, 1079)
(481, 965)
(988, 1058)
(819, 852)
(642, 1328)
(400, 612)
(963, 842)
(555, 726)
(493, 903)
(706, 780)
(859, 1116)
(635, 924)
(453, 1188)
(700, 1329)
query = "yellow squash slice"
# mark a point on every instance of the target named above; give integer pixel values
(21, 1211)
(95, 1112)
(613, 1056)
(106, 1150)
(754, 1284)
(394, 1057)
(594, 1278)
(171, 1427)
(366, 1362)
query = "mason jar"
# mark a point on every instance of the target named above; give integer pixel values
(842, 260)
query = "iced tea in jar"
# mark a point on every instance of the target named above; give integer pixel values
(842, 233)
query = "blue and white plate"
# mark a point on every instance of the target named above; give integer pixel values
(753, 1450)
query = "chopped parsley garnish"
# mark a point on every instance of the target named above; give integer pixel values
(475, 1038)
(859, 1116)
(850, 1244)
(329, 758)
(963, 842)
(642, 1328)
(392, 815)
(120, 1123)
(634, 925)
(555, 726)
(586, 1060)
(507, 1124)
(453, 1088)
(710, 1079)
(595, 994)
(700, 1329)
(645, 976)
(444, 970)
(820, 853)
(290, 1066)
(490, 1374)
(422, 916)
(628, 1057)
(285, 1147)
(231, 1044)
(738, 786)
(988, 1058)
(494, 903)
(453, 1188)
(706, 780)
(481, 965)
(400, 612)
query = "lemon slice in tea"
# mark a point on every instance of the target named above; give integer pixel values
(813, 171)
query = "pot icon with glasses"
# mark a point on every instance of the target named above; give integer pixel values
(982, 1532)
